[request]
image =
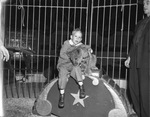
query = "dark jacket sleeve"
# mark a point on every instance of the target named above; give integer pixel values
(133, 45)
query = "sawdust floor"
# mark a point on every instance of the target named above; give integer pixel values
(18, 107)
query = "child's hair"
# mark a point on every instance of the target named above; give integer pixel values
(76, 30)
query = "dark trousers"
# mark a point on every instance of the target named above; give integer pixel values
(139, 90)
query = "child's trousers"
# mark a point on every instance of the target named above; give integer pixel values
(65, 72)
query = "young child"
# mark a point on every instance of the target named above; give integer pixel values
(66, 67)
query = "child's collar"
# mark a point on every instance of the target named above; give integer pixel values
(71, 43)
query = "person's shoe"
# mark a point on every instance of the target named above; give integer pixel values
(61, 101)
(82, 92)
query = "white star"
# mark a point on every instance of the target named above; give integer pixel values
(78, 99)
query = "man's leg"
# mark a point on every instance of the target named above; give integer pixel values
(144, 92)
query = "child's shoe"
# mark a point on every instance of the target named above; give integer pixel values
(82, 92)
(61, 101)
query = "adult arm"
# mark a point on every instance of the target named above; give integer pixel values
(4, 52)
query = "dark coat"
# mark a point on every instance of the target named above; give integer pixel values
(139, 51)
(139, 68)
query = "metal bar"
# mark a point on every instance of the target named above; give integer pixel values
(20, 39)
(32, 46)
(97, 32)
(128, 38)
(15, 38)
(69, 19)
(56, 33)
(74, 15)
(50, 31)
(122, 33)
(62, 26)
(80, 25)
(102, 47)
(38, 45)
(27, 46)
(108, 36)
(91, 20)
(45, 22)
(86, 29)
(114, 51)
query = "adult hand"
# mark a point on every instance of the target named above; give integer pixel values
(5, 53)
(127, 62)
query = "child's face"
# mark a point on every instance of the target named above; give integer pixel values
(76, 37)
